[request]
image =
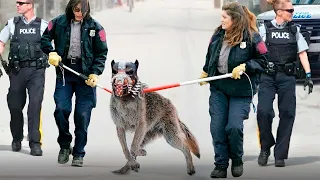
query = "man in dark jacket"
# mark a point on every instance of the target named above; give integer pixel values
(80, 43)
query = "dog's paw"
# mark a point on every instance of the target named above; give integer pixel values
(140, 152)
(124, 170)
(134, 165)
(191, 170)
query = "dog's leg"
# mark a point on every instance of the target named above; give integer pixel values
(131, 164)
(150, 136)
(122, 138)
(139, 135)
(171, 134)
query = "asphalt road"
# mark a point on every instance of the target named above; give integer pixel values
(169, 38)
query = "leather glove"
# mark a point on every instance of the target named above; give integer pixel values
(92, 80)
(236, 71)
(308, 82)
(54, 59)
(203, 75)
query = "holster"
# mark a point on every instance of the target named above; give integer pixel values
(42, 62)
(15, 67)
(290, 69)
(271, 69)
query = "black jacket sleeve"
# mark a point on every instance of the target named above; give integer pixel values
(258, 62)
(100, 50)
(208, 56)
(47, 37)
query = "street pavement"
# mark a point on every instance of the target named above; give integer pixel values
(170, 39)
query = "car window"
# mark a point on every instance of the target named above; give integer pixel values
(305, 2)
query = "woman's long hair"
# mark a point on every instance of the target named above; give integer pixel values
(71, 5)
(243, 20)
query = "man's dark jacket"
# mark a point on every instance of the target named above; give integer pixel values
(254, 55)
(93, 43)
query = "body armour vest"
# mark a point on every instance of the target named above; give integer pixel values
(281, 43)
(25, 43)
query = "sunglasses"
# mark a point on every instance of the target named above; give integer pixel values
(288, 10)
(22, 3)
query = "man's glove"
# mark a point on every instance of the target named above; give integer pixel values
(308, 82)
(236, 71)
(203, 75)
(92, 80)
(54, 59)
(5, 66)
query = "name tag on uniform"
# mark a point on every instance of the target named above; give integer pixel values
(92, 33)
(243, 45)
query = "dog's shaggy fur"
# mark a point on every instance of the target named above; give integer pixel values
(148, 115)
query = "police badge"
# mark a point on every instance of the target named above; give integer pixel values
(92, 33)
(243, 45)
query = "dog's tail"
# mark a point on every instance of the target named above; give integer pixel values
(190, 140)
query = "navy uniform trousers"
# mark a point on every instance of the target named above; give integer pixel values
(226, 127)
(31, 80)
(285, 87)
(85, 101)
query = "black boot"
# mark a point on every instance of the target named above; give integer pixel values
(36, 150)
(219, 172)
(16, 146)
(237, 167)
(77, 161)
(63, 156)
(263, 157)
(279, 163)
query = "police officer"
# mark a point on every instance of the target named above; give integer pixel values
(27, 65)
(80, 43)
(284, 41)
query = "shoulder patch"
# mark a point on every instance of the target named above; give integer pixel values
(102, 35)
(261, 47)
(50, 25)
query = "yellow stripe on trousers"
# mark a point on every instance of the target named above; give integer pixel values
(258, 133)
(40, 127)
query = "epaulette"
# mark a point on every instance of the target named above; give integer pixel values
(16, 19)
(293, 27)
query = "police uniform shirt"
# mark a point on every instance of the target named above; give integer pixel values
(302, 43)
(8, 31)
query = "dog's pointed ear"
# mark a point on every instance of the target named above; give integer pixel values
(136, 63)
(112, 63)
(112, 69)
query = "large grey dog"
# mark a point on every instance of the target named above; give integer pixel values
(147, 115)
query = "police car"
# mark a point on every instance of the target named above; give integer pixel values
(307, 14)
